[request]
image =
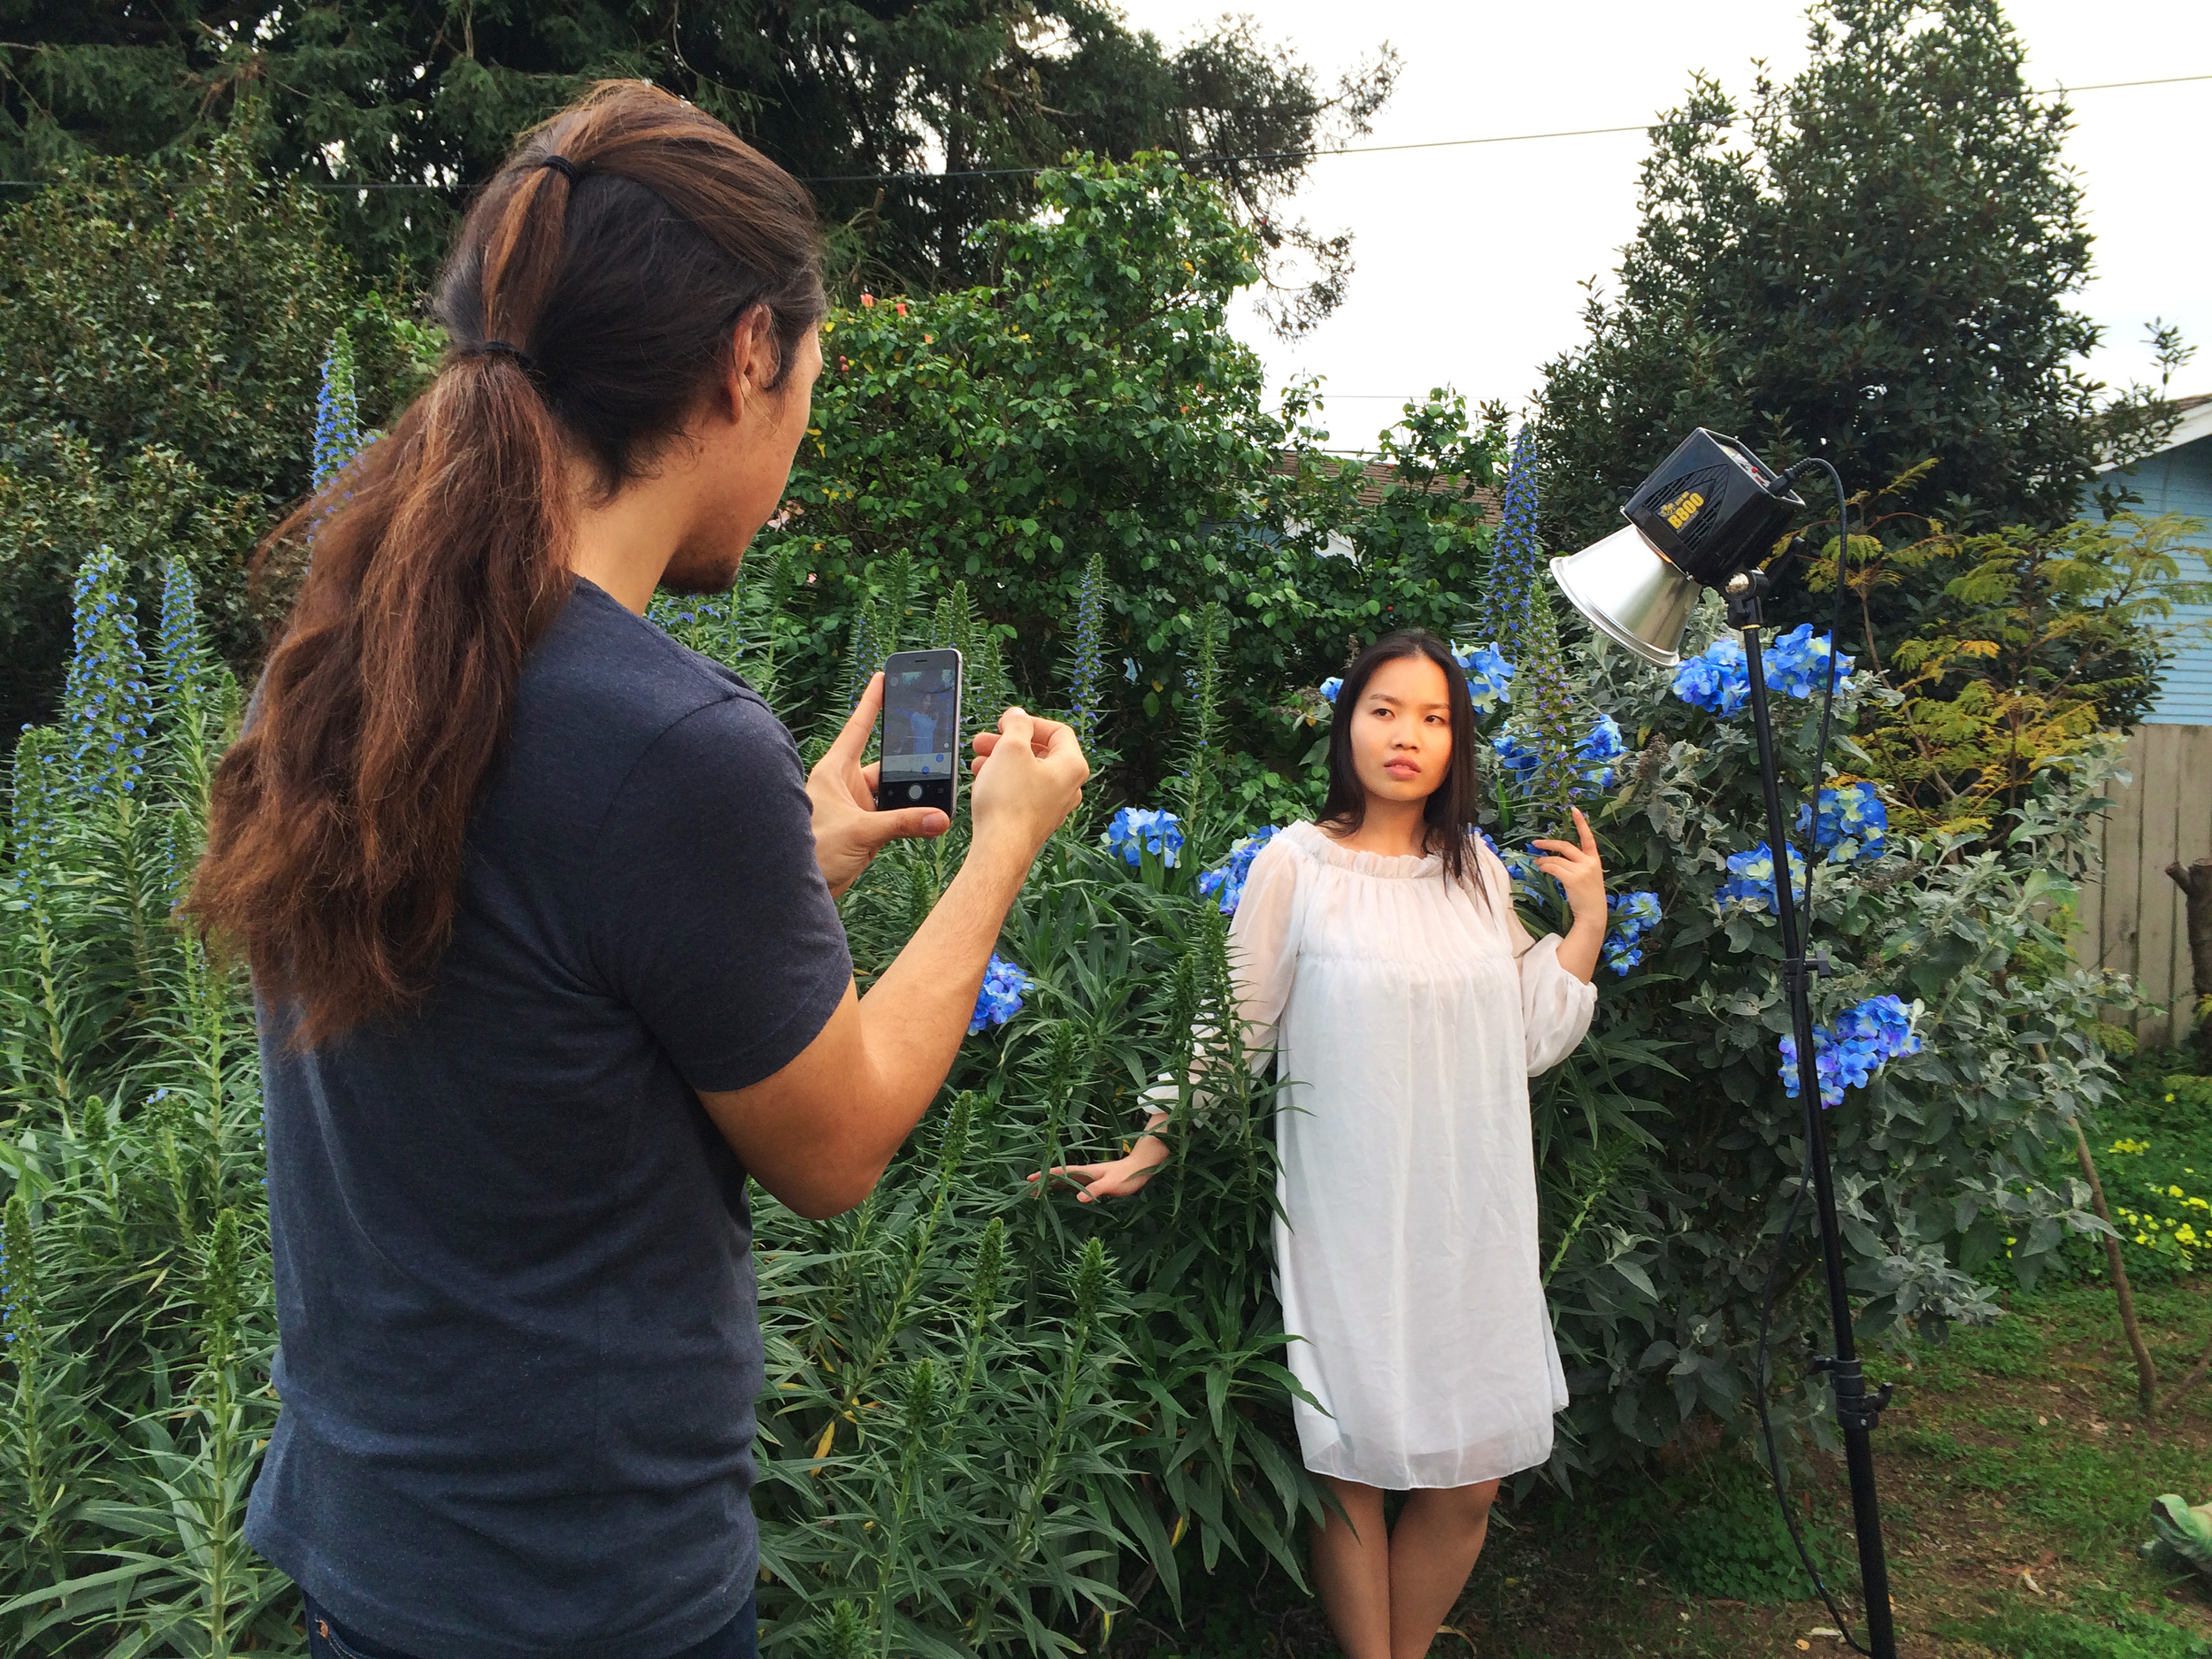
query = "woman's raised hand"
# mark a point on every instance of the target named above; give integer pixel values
(1582, 873)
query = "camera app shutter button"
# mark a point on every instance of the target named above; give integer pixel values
(913, 792)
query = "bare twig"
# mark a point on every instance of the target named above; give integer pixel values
(2146, 1373)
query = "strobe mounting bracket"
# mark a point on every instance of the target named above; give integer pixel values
(1855, 1409)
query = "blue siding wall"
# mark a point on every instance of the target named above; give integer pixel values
(2180, 480)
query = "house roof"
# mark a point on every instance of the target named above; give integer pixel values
(2196, 422)
(1376, 478)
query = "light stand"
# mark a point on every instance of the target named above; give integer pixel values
(1711, 514)
(1857, 1411)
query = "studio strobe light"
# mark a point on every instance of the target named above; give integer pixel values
(1707, 518)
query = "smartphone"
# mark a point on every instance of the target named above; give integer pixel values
(921, 731)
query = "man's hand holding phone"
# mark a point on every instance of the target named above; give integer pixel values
(848, 830)
(820, 1131)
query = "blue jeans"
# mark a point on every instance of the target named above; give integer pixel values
(328, 1638)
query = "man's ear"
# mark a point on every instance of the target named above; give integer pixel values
(752, 361)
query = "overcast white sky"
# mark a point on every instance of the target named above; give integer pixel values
(1471, 260)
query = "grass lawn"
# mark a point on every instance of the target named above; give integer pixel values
(2016, 1473)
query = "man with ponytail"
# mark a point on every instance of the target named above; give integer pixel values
(540, 910)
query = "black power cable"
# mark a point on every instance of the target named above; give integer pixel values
(1807, 1065)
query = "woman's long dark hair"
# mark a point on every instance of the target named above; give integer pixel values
(591, 300)
(1450, 810)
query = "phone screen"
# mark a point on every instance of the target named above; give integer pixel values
(921, 727)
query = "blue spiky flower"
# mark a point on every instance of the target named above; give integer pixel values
(338, 434)
(1633, 915)
(107, 709)
(1135, 830)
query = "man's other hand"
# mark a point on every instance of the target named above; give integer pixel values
(1029, 776)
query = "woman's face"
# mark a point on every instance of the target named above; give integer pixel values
(1401, 732)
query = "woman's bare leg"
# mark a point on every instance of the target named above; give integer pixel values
(1433, 1549)
(1351, 1568)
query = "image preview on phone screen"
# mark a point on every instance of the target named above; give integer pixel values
(921, 722)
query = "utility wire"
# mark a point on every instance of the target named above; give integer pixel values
(1212, 161)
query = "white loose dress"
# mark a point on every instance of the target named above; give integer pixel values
(1406, 1014)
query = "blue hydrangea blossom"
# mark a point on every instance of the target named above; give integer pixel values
(1595, 756)
(1751, 878)
(1001, 997)
(1796, 665)
(1865, 1039)
(1714, 680)
(1489, 677)
(1797, 662)
(1330, 686)
(1136, 831)
(1853, 825)
(1633, 915)
(1228, 879)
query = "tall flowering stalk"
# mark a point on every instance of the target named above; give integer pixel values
(192, 681)
(1086, 674)
(107, 706)
(338, 434)
(867, 653)
(107, 718)
(1518, 610)
(32, 1433)
(39, 831)
(1205, 720)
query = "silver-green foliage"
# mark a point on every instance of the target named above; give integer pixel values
(1668, 1154)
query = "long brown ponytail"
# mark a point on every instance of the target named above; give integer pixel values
(591, 300)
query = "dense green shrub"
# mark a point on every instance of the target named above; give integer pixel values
(163, 329)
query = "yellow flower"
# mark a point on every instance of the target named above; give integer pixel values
(2173, 1191)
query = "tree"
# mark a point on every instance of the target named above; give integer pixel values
(162, 330)
(1872, 264)
(431, 93)
(2034, 641)
(1091, 405)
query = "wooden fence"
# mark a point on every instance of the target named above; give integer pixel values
(2130, 918)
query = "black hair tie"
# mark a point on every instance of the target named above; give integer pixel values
(502, 349)
(566, 168)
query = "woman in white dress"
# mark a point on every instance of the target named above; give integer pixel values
(1379, 964)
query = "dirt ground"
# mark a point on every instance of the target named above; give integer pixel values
(2015, 1473)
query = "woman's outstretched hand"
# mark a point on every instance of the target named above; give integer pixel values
(1581, 873)
(1124, 1178)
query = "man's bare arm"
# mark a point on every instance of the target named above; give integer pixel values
(818, 1132)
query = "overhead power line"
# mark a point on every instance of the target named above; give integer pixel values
(1212, 161)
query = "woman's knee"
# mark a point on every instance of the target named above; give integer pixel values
(1465, 1506)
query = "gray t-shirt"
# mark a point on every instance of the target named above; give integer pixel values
(514, 1285)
